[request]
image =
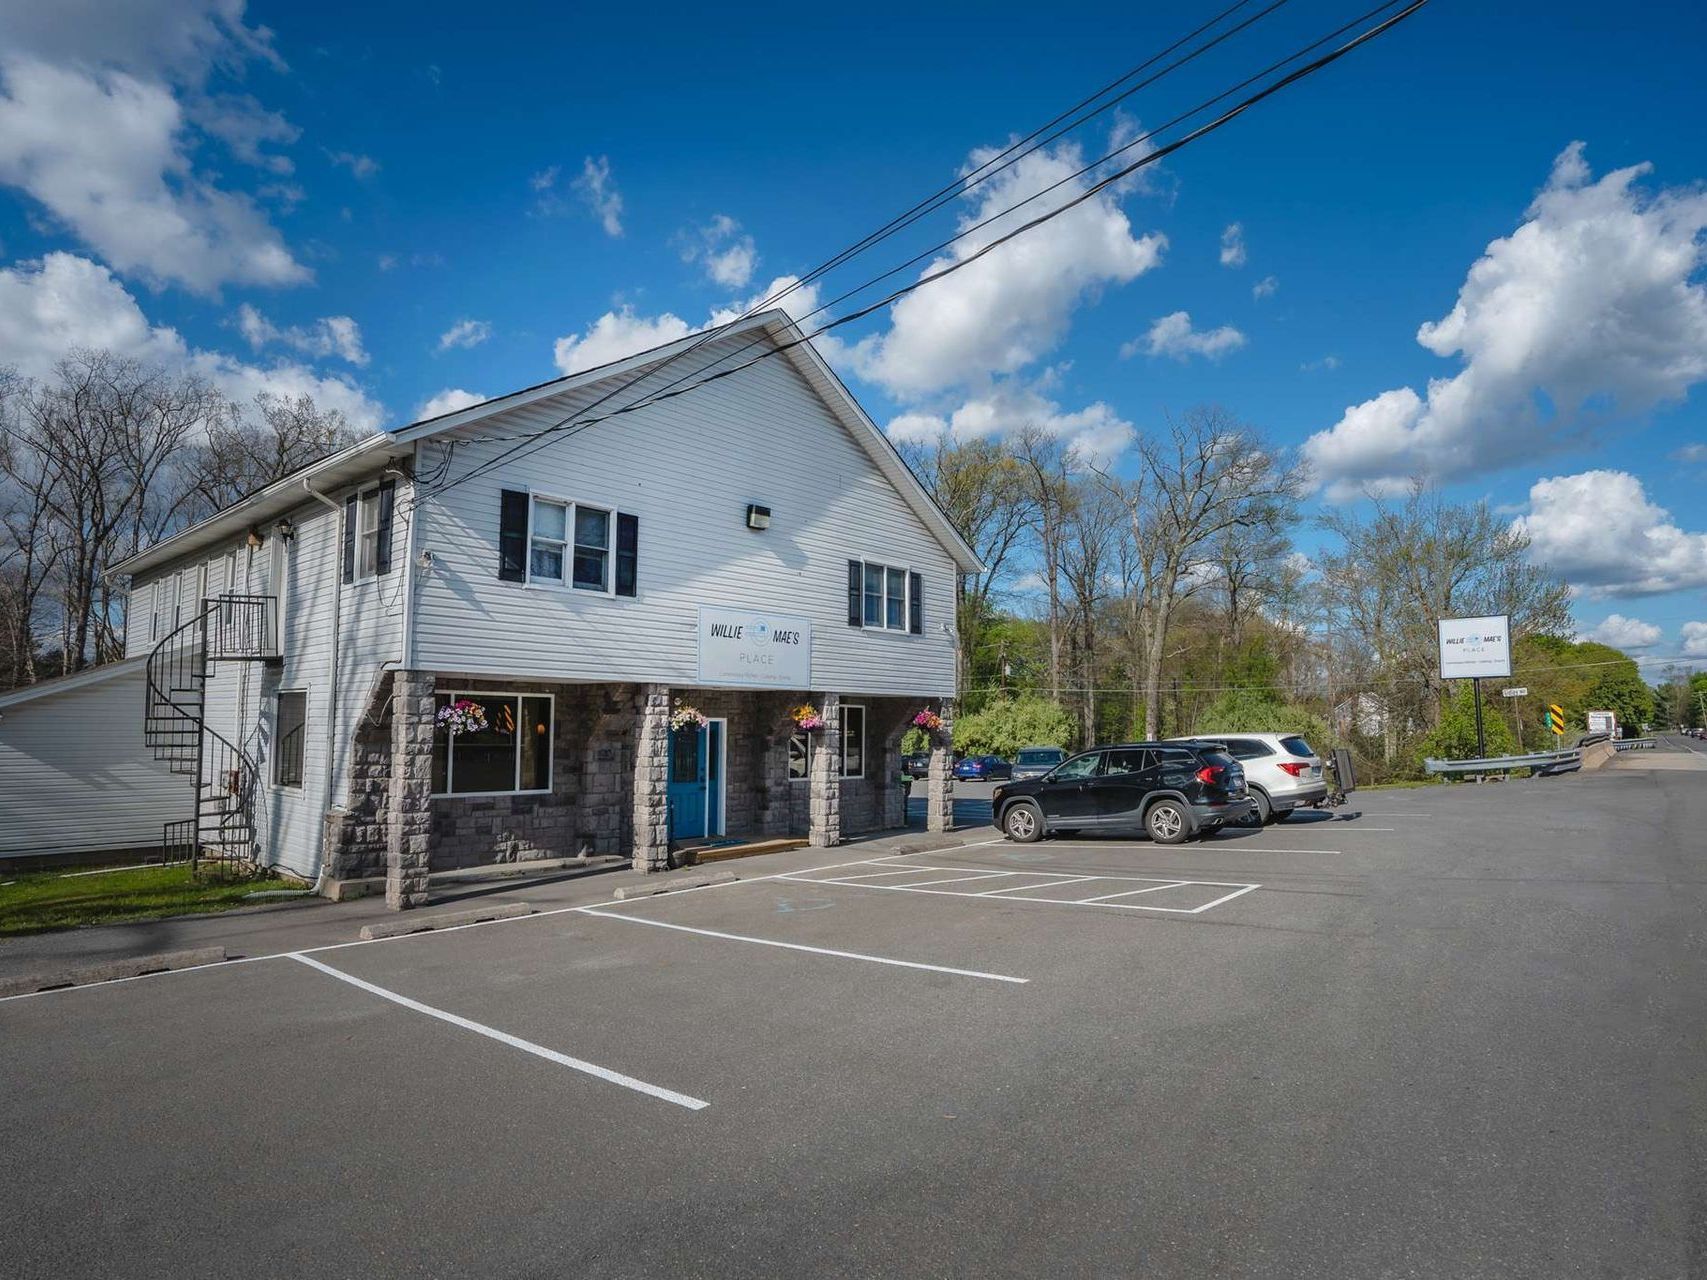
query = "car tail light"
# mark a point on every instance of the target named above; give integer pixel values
(1211, 774)
(1296, 770)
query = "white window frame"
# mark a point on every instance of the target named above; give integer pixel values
(367, 538)
(570, 507)
(803, 737)
(278, 743)
(864, 723)
(906, 572)
(550, 742)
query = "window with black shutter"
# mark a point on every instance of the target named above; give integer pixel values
(627, 554)
(884, 597)
(915, 604)
(367, 532)
(351, 506)
(513, 535)
(856, 589)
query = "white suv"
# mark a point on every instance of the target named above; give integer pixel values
(1282, 771)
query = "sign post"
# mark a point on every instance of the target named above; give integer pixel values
(1516, 711)
(1474, 648)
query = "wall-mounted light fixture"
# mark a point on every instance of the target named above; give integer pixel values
(286, 528)
(758, 517)
(424, 561)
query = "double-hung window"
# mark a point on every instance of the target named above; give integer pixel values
(511, 754)
(367, 535)
(290, 725)
(367, 532)
(570, 543)
(884, 597)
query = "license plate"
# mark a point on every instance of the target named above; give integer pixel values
(1315, 771)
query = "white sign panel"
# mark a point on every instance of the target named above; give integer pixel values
(1522, 691)
(1472, 647)
(1602, 722)
(754, 650)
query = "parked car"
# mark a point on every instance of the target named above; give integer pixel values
(1282, 772)
(982, 768)
(1034, 762)
(1171, 790)
(916, 764)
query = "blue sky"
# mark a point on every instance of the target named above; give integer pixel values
(320, 198)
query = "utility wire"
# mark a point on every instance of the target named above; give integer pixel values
(1091, 192)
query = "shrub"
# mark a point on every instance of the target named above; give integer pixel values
(1255, 711)
(1002, 728)
(1455, 737)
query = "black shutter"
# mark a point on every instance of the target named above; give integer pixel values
(627, 554)
(513, 535)
(856, 592)
(382, 547)
(351, 514)
(915, 604)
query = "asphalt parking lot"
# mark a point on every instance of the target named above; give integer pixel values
(1455, 1032)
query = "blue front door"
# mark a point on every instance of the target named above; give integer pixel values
(696, 782)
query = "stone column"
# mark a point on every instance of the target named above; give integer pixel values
(825, 785)
(409, 814)
(939, 799)
(652, 780)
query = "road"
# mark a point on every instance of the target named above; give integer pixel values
(1460, 1033)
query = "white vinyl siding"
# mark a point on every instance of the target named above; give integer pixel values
(687, 467)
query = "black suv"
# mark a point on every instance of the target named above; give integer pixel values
(1173, 790)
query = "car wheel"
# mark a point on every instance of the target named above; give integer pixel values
(1023, 823)
(1167, 822)
(1265, 811)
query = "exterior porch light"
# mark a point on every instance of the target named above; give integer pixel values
(286, 528)
(758, 517)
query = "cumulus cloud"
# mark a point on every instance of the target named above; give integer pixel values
(1598, 530)
(1173, 336)
(1011, 308)
(1233, 245)
(465, 333)
(359, 166)
(1624, 633)
(1590, 310)
(1097, 431)
(1695, 639)
(1265, 288)
(101, 110)
(723, 251)
(447, 401)
(599, 194)
(62, 301)
(328, 336)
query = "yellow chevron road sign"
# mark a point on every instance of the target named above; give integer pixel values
(1556, 718)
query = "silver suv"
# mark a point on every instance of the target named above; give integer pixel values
(1282, 771)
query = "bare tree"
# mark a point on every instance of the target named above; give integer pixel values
(1091, 524)
(245, 451)
(1209, 474)
(1047, 465)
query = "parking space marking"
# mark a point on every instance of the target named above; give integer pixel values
(981, 875)
(504, 1037)
(800, 946)
(1019, 892)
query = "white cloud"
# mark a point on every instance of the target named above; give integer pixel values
(1173, 336)
(465, 333)
(546, 178)
(1598, 530)
(172, 39)
(1327, 362)
(359, 165)
(328, 336)
(105, 153)
(1013, 307)
(1097, 431)
(727, 256)
(1624, 633)
(447, 401)
(1265, 288)
(1233, 245)
(1691, 453)
(1592, 308)
(244, 125)
(62, 301)
(1695, 639)
(599, 194)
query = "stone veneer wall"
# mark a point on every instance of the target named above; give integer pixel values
(355, 835)
(876, 802)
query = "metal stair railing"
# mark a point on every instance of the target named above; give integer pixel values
(221, 833)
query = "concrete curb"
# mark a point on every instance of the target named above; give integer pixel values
(444, 920)
(653, 887)
(112, 970)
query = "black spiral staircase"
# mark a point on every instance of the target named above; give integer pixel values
(220, 838)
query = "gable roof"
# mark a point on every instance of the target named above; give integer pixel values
(68, 684)
(364, 457)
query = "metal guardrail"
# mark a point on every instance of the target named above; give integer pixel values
(1635, 744)
(1544, 763)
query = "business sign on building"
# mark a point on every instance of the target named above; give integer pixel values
(754, 650)
(1472, 648)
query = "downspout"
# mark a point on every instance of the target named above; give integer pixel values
(332, 679)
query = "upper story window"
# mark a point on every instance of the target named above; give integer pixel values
(884, 597)
(574, 544)
(367, 532)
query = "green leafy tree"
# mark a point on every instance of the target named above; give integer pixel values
(1622, 690)
(1003, 727)
(1255, 711)
(1454, 738)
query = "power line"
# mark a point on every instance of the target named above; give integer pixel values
(571, 424)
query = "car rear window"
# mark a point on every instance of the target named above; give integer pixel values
(1297, 746)
(1050, 756)
(1246, 748)
(1220, 758)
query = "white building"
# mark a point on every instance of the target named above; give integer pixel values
(579, 574)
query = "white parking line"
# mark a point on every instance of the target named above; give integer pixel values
(982, 875)
(799, 946)
(515, 1042)
(1048, 884)
(1020, 892)
(1127, 893)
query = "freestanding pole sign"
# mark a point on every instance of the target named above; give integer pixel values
(1475, 649)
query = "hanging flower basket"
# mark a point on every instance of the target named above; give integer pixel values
(686, 717)
(462, 716)
(929, 721)
(807, 717)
